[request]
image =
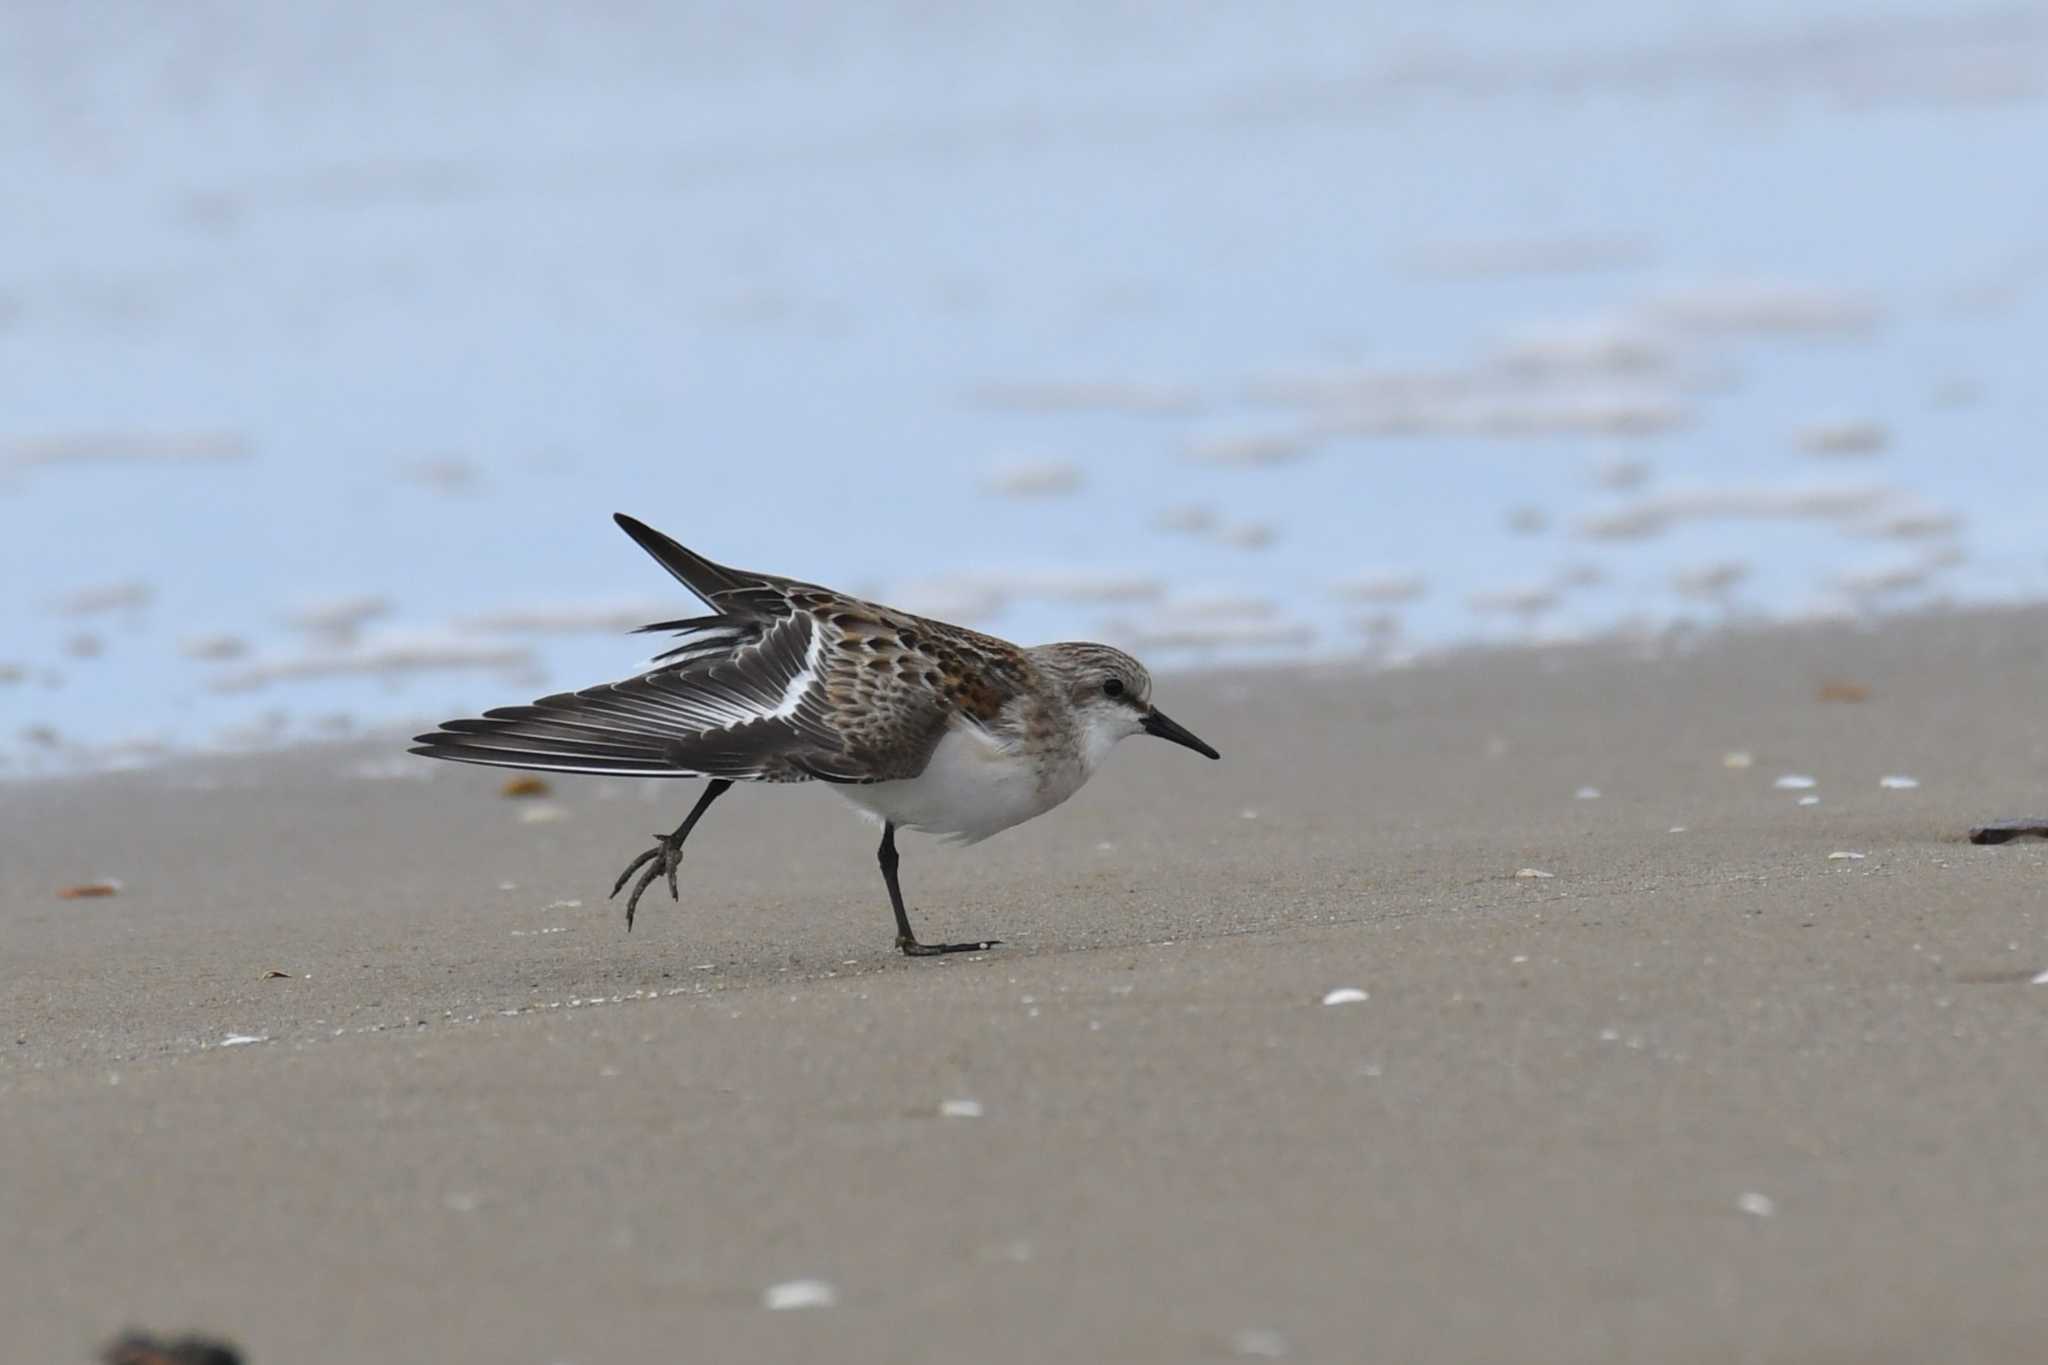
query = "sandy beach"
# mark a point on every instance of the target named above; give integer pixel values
(1707, 1092)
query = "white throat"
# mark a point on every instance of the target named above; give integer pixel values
(1100, 732)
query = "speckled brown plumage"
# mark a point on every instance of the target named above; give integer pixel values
(925, 725)
(882, 687)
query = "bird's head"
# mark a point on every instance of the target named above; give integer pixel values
(1111, 695)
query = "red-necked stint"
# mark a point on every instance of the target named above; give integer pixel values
(926, 725)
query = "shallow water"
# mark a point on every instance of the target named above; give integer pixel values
(330, 336)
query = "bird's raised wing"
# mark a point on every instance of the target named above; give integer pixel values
(782, 682)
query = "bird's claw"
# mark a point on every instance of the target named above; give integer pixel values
(665, 858)
(912, 948)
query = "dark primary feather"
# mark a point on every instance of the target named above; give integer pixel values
(709, 581)
(743, 603)
(708, 634)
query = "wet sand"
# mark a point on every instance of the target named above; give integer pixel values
(1700, 1096)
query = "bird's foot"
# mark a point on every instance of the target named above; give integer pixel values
(662, 860)
(912, 948)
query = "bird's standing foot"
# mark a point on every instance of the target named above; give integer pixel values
(663, 859)
(912, 948)
(906, 939)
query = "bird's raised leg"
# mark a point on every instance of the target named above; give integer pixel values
(667, 854)
(905, 939)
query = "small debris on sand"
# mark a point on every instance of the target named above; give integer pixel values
(275, 975)
(1898, 783)
(799, 1294)
(1842, 690)
(543, 815)
(1586, 794)
(140, 1348)
(1795, 782)
(1259, 1343)
(960, 1109)
(106, 886)
(1999, 831)
(1736, 758)
(1534, 872)
(1345, 995)
(1809, 800)
(1756, 1205)
(525, 786)
(1845, 856)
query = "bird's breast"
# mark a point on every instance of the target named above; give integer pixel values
(974, 786)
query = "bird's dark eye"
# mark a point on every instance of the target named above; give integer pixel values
(1113, 688)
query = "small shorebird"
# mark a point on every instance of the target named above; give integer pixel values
(925, 725)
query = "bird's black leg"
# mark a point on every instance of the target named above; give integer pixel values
(667, 854)
(905, 939)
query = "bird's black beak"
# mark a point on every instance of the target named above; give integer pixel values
(1156, 723)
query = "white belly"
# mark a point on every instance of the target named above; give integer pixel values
(972, 788)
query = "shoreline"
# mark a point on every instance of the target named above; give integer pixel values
(1674, 638)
